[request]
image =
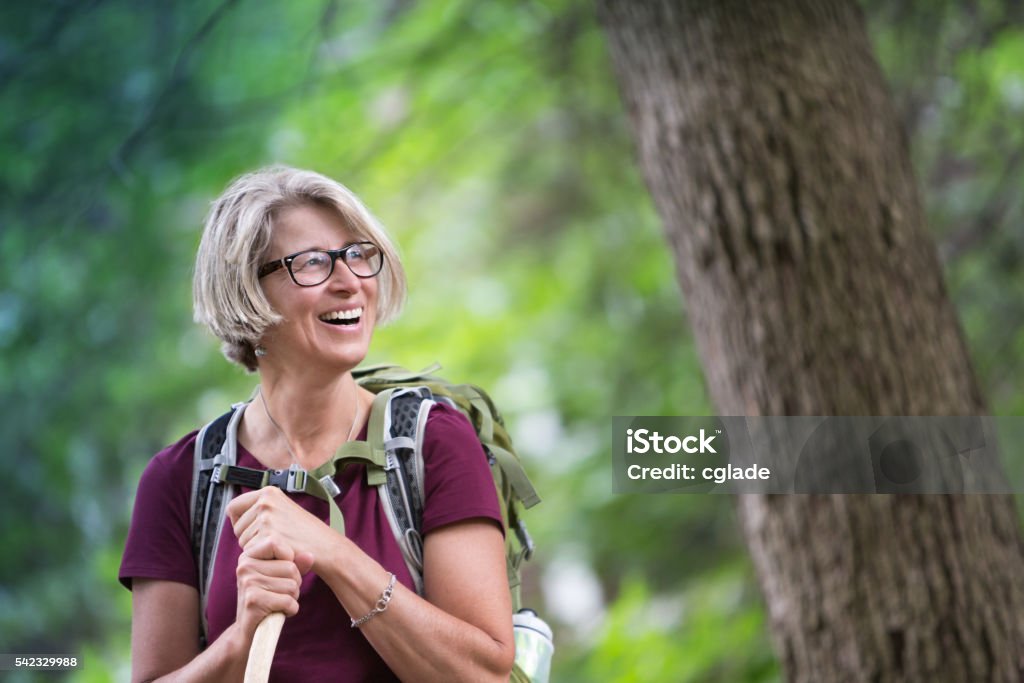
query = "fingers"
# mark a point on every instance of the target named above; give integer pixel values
(256, 602)
(249, 533)
(276, 576)
(248, 508)
(270, 514)
(267, 585)
(238, 506)
(270, 569)
(274, 549)
(268, 549)
(243, 508)
(268, 495)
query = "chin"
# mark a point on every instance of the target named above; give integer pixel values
(346, 361)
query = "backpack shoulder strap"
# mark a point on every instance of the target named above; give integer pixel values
(515, 491)
(216, 445)
(396, 426)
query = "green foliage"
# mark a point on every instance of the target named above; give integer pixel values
(490, 140)
(711, 632)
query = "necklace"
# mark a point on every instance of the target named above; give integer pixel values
(287, 442)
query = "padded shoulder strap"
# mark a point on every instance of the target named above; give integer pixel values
(216, 444)
(398, 428)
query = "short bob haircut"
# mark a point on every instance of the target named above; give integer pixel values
(226, 293)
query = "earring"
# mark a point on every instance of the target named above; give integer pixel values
(260, 351)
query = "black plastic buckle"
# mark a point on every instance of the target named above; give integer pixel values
(278, 478)
(291, 480)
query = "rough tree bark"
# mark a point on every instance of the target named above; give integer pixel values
(769, 143)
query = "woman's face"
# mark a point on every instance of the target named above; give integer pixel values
(311, 335)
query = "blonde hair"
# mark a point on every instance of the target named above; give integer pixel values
(226, 293)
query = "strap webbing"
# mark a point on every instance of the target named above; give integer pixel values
(486, 423)
(513, 469)
(395, 373)
(350, 451)
(375, 476)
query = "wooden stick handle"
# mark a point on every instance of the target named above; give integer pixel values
(264, 642)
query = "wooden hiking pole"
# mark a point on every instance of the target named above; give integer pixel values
(261, 653)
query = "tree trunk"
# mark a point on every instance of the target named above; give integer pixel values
(769, 143)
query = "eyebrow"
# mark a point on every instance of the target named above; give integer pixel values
(320, 248)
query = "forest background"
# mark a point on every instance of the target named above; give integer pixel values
(490, 140)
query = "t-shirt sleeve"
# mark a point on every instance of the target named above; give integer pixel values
(457, 477)
(159, 543)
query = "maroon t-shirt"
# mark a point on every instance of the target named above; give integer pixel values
(317, 644)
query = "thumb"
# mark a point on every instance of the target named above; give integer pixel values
(303, 560)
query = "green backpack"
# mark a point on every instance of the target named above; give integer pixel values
(394, 464)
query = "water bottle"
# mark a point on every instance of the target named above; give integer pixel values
(534, 645)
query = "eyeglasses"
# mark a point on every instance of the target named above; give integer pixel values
(312, 267)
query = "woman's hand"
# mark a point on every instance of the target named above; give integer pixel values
(268, 515)
(269, 577)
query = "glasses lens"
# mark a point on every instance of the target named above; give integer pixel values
(364, 259)
(311, 267)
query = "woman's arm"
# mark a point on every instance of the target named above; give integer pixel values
(165, 637)
(461, 632)
(165, 619)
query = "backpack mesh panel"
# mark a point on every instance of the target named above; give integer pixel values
(199, 515)
(216, 494)
(405, 410)
(212, 445)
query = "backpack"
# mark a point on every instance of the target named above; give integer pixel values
(394, 462)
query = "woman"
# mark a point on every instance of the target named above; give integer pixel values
(293, 274)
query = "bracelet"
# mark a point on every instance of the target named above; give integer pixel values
(382, 604)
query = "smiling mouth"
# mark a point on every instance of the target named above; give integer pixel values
(350, 317)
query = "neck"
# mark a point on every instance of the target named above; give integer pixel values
(314, 418)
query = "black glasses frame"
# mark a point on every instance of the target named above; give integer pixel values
(335, 254)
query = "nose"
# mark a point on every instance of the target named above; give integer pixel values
(343, 277)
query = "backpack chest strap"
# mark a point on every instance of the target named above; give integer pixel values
(293, 479)
(319, 482)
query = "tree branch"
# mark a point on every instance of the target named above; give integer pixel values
(176, 78)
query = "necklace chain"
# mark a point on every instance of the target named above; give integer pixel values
(287, 442)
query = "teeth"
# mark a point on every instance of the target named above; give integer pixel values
(343, 315)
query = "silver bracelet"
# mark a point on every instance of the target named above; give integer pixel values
(382, 604)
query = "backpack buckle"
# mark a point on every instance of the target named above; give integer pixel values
(292, 480)
(332, 488)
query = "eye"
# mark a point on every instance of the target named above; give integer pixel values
(357, 252)
(310, 260)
